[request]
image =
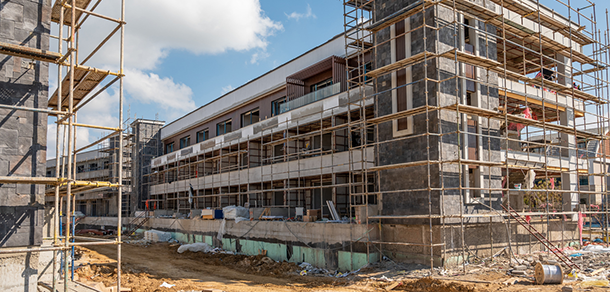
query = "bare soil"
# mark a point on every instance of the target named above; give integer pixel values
(146, 267)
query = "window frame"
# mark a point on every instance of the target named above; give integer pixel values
(276, 105)
(251, 114)
(206, 135)
(224, 123)
(324, 83)
(168, 146)
(188, 141)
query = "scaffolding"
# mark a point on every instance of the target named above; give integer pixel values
(555, 126)
(79, 86)
(454, 155)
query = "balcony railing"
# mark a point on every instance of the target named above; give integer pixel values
(311, 97)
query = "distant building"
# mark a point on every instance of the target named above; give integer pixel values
(101, 165)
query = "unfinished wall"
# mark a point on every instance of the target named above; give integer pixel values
(23, 136)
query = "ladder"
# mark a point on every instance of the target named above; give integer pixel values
(135, 225)
(333, 211)
(549, 245)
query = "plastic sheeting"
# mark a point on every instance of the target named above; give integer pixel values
(195, 247)
(233, 212)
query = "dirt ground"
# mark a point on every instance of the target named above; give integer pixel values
(146, 267)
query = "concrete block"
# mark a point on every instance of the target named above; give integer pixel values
(12, 11)
(8, 138)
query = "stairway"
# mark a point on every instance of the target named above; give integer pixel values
(549, 245)
(136, 223)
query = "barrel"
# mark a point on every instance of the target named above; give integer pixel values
(548, 274)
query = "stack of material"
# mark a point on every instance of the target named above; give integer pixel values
(233, 212)
(157, 236)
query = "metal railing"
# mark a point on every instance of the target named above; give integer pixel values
(311, 97)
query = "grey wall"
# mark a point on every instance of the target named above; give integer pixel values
(411, 148)
(23, 136)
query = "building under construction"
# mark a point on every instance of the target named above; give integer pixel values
(452, 128)
(428, 131)
(140, 145)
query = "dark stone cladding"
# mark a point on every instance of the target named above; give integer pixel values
(403, 149)
(23, 134)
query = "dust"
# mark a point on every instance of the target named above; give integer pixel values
(433, 285)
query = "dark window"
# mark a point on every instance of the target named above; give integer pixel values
(250, 117)
(223, 127)
(584, 180)
(203, 135)
(582, 145)
(320, 85)
(169, 148)
(93, 166)
(276, 105)
(185, 142)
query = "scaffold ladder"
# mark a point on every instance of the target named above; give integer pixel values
(547, 244)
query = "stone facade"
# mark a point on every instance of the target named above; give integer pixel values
(23, 134)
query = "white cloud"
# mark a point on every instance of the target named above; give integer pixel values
(149, 88)
(100, 111)
(258, 56)
(155, 27)
(226, 89)
(296, 16)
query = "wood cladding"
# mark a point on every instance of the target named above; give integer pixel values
(296, 84)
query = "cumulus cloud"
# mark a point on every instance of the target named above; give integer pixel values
(296, 16)
(155, 27)
(100, 111)
(150, 88)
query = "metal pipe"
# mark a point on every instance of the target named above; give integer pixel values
(120, 189)
(92, 243)
(37, 110)
(93, 13)
(101, 44)
(92, 126)
(96, 142)
(70, 146)
(26, 250)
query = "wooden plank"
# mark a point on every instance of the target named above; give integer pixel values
(85, 81)
(55, 12)
(29, 53)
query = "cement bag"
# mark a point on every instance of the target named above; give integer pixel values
(232, 212)
(195, 247)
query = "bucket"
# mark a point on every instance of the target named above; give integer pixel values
(548, 274)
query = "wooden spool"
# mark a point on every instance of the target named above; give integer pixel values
(548, 274)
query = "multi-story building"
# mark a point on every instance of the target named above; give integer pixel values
(101, 165)
(416, 117)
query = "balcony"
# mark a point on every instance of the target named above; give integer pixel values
(310, 98)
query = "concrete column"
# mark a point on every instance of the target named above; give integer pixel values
(569, 180)
(89, 209)
(564, 70)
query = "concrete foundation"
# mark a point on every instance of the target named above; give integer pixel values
(343, 246)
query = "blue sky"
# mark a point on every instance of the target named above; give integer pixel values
(174, 66)
(180, 57)
(211, 75)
